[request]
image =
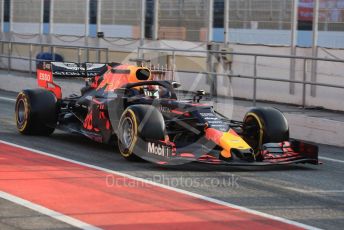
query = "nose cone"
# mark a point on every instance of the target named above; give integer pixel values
(230, 141)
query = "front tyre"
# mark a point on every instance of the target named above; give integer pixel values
(138, 125)
(36, 112)
(127, 135)
(265, 125)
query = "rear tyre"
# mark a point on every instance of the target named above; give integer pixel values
(265, 125)
(131, 129)
(36, 112)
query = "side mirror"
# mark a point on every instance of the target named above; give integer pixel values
(199, 95)
(175, 84)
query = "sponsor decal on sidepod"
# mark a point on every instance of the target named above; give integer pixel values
(159, 150)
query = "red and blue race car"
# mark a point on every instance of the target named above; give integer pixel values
(122, 104)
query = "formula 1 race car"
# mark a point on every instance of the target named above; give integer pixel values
(123, 104)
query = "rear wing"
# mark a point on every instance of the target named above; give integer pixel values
(46, 71)
(71, 69)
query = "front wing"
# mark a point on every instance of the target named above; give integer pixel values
(284, 153)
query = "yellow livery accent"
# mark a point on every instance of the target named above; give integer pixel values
(231, 140)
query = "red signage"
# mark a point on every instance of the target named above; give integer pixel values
(329, 10)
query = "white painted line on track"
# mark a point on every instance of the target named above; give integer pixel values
(48, 212)
(273, 184)
(327, 191)
(7, 99)
(195, 195)
(309, 191)
(331, 159)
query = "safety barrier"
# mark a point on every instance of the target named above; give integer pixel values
(254, 77)
(78, 53)
(97, 54)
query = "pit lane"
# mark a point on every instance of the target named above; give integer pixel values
(308, 194)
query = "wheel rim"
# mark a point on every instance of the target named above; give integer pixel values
(21, 112)
(252, 133)
(127, 133)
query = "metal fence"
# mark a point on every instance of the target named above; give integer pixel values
(73, 15)
(331, 15)
(26, 13)
(254, 77)
(2, 3)
(331, 23)
(27, 52)
(183, 20)
(16, 54)
(259, 21)
(260, 14)
(121, 18)
(269, 22)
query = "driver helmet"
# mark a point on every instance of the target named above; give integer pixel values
(151, 91)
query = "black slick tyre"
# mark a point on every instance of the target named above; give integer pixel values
(36, 112)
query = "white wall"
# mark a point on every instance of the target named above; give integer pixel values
(26, 28)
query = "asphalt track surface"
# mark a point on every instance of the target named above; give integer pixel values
(312, 195)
